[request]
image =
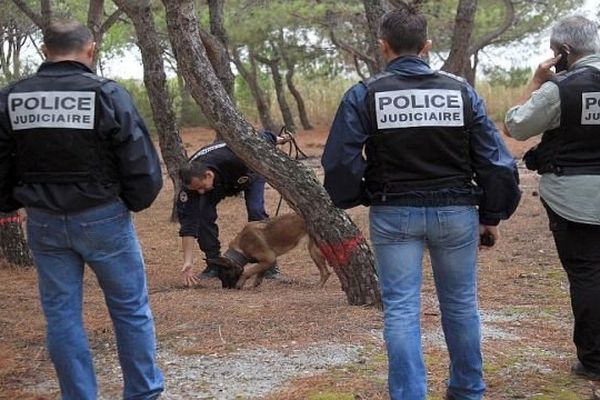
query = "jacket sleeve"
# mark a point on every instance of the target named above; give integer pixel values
(7, 165)
(343, 160)
(269, 136)
(495, 168)
(138, 163)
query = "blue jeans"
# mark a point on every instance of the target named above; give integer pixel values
(103, 237)
(399, 236)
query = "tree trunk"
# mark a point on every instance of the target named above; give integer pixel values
(340, 240)
(99, 26)
(219, 59)
(172, 150)
(458, 58)
(284, 107)
(289, 79)
(374, 10)
(251, 78)
(13, 247)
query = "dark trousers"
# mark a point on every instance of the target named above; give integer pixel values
(208, 230)
(578, 247)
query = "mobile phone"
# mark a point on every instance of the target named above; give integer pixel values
(561, 65)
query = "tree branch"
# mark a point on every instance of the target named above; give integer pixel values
(37, 19)
(352, 50)
(111, 20)
(509, 19)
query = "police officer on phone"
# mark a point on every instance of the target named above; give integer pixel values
(565, 106)
(211, 174)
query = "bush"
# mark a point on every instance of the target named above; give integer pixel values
(512, 77)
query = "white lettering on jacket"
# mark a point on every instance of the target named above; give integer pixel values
(62, 110)
(419, 107)
(590, 108)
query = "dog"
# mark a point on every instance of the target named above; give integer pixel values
(260, 243)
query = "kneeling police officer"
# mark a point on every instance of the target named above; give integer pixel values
(211, 174)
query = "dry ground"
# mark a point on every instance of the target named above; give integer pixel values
(523, 295)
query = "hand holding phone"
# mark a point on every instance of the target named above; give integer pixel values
(562, 65)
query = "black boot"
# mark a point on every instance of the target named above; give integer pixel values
(275, 274)
(211, 271)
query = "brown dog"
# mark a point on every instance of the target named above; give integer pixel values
(261, 242)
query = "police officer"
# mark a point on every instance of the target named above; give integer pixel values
(211, 174)
(76, 154)
(566, 108)
(431, 155)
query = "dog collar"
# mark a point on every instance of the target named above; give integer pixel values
(237, 257)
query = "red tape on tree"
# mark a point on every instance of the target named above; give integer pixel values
(339, 253)
(15, 219)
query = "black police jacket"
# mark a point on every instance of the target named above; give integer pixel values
(71, 140)
(231, 174)
(418, 139)
(574, 147)
(231, 177)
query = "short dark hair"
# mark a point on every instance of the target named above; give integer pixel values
(195, 169)
(64, 37)
(404, 29)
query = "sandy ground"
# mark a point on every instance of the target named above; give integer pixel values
(297, 341)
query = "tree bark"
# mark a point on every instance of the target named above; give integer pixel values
(374, 10)
(461, 38)
(284, 107)
(13, 247)
(155, 79)
(219, 59)
(217, 29)
(340, 240)
(99, 27)
(251, 78)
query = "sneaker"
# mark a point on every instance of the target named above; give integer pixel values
(580, 370)
(275, 274)
(208, 273)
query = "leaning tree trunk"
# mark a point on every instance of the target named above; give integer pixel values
(217, 29)
(13, 247)
(155, 79)
(251, 78)
(338, 238)
(286, 112)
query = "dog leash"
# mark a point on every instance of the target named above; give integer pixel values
(293, 146)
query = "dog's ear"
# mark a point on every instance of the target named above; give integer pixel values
(227, 271)
(228, 277)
